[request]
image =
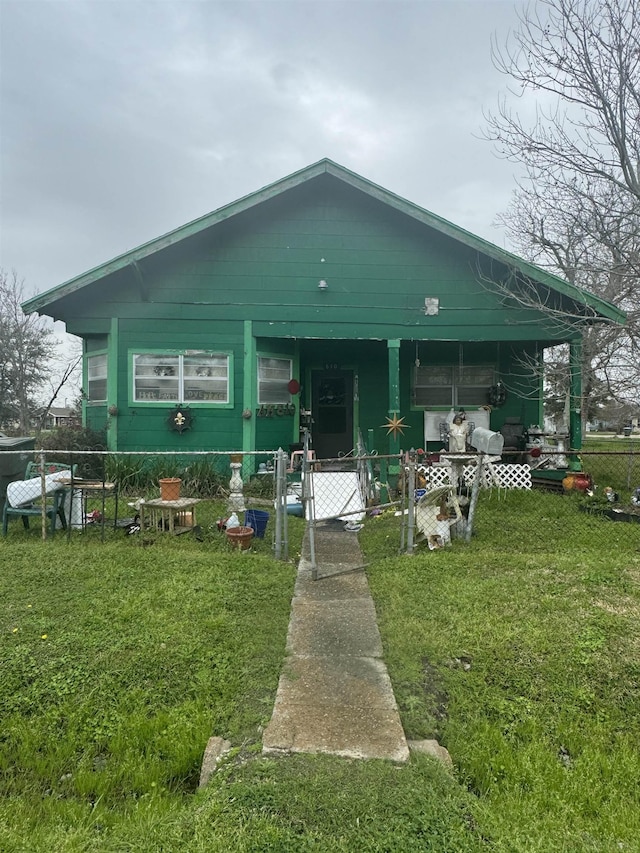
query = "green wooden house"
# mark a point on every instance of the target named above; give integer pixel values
(322, 299)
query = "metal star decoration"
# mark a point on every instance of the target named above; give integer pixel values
(395, 425)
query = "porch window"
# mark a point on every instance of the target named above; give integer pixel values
(274, 375)
(452, 386)
(172, 378)
(97, 378)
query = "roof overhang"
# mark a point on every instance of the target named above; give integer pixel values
(604, 310)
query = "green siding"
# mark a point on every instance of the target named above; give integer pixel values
(249, 286)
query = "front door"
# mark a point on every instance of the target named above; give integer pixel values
(332, 412)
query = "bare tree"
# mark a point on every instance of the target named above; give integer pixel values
(26, 348)
(574, 68)
(68, 370)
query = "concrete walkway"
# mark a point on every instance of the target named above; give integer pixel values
(334, 694)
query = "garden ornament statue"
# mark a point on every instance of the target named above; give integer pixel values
(458, 435)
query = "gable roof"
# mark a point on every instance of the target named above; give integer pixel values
(326, 166)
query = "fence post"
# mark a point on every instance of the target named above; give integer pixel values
(279, 521)
(308, 506)
(411, 513)
(43, 496)
(285, 509)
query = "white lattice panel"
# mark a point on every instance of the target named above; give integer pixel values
(501, 476)
(439, 476)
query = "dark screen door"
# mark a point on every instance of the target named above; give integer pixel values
(332, 412)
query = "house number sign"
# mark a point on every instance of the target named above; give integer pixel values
(279, 410)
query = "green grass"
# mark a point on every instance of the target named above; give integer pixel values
(620, 471)
(519, 652)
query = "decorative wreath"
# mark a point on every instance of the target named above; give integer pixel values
(497, 395)
(179, 419)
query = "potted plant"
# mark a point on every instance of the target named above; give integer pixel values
(170, 488)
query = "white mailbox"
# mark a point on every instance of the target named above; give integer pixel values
(487, 441)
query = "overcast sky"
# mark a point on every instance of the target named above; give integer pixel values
(124, 119)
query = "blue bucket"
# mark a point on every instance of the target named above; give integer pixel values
(257, 519)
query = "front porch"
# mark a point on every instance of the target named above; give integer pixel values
(396, 393)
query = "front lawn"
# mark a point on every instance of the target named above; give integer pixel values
(519, 652)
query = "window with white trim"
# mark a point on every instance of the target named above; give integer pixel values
(172, 378)
(97, 378)
(274, 375)
(452, 386)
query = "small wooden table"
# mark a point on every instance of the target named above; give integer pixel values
(168, 515)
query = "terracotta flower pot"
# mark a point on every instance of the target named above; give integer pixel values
(240, 537)
(170, 489)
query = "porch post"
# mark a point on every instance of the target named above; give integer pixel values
(575, 395)
(249, 392)
(393, 351)
(112, 384)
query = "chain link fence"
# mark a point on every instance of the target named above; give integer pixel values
(201, 493)
(433, 497)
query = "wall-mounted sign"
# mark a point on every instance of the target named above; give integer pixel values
(277, 410)
(180, 419)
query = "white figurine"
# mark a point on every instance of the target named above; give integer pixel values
(458, 435)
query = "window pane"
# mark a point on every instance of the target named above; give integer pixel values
(97, 390)
(477, 375)
(97, 366)
(433, 396)
(473, 396)
(436, 375)
(97, 378)
(433, 385)
(206, 377)
(274, 375)
(448, 385)
(156, 377)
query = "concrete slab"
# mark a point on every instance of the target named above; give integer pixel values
(334, 694)
(215, 751)
(334, 628)
(338, 682)
(334, 583)
(350, 732)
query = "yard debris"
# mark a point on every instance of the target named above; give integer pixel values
(462, 662)
(433, 748)
(565, 757)
(215, 751)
